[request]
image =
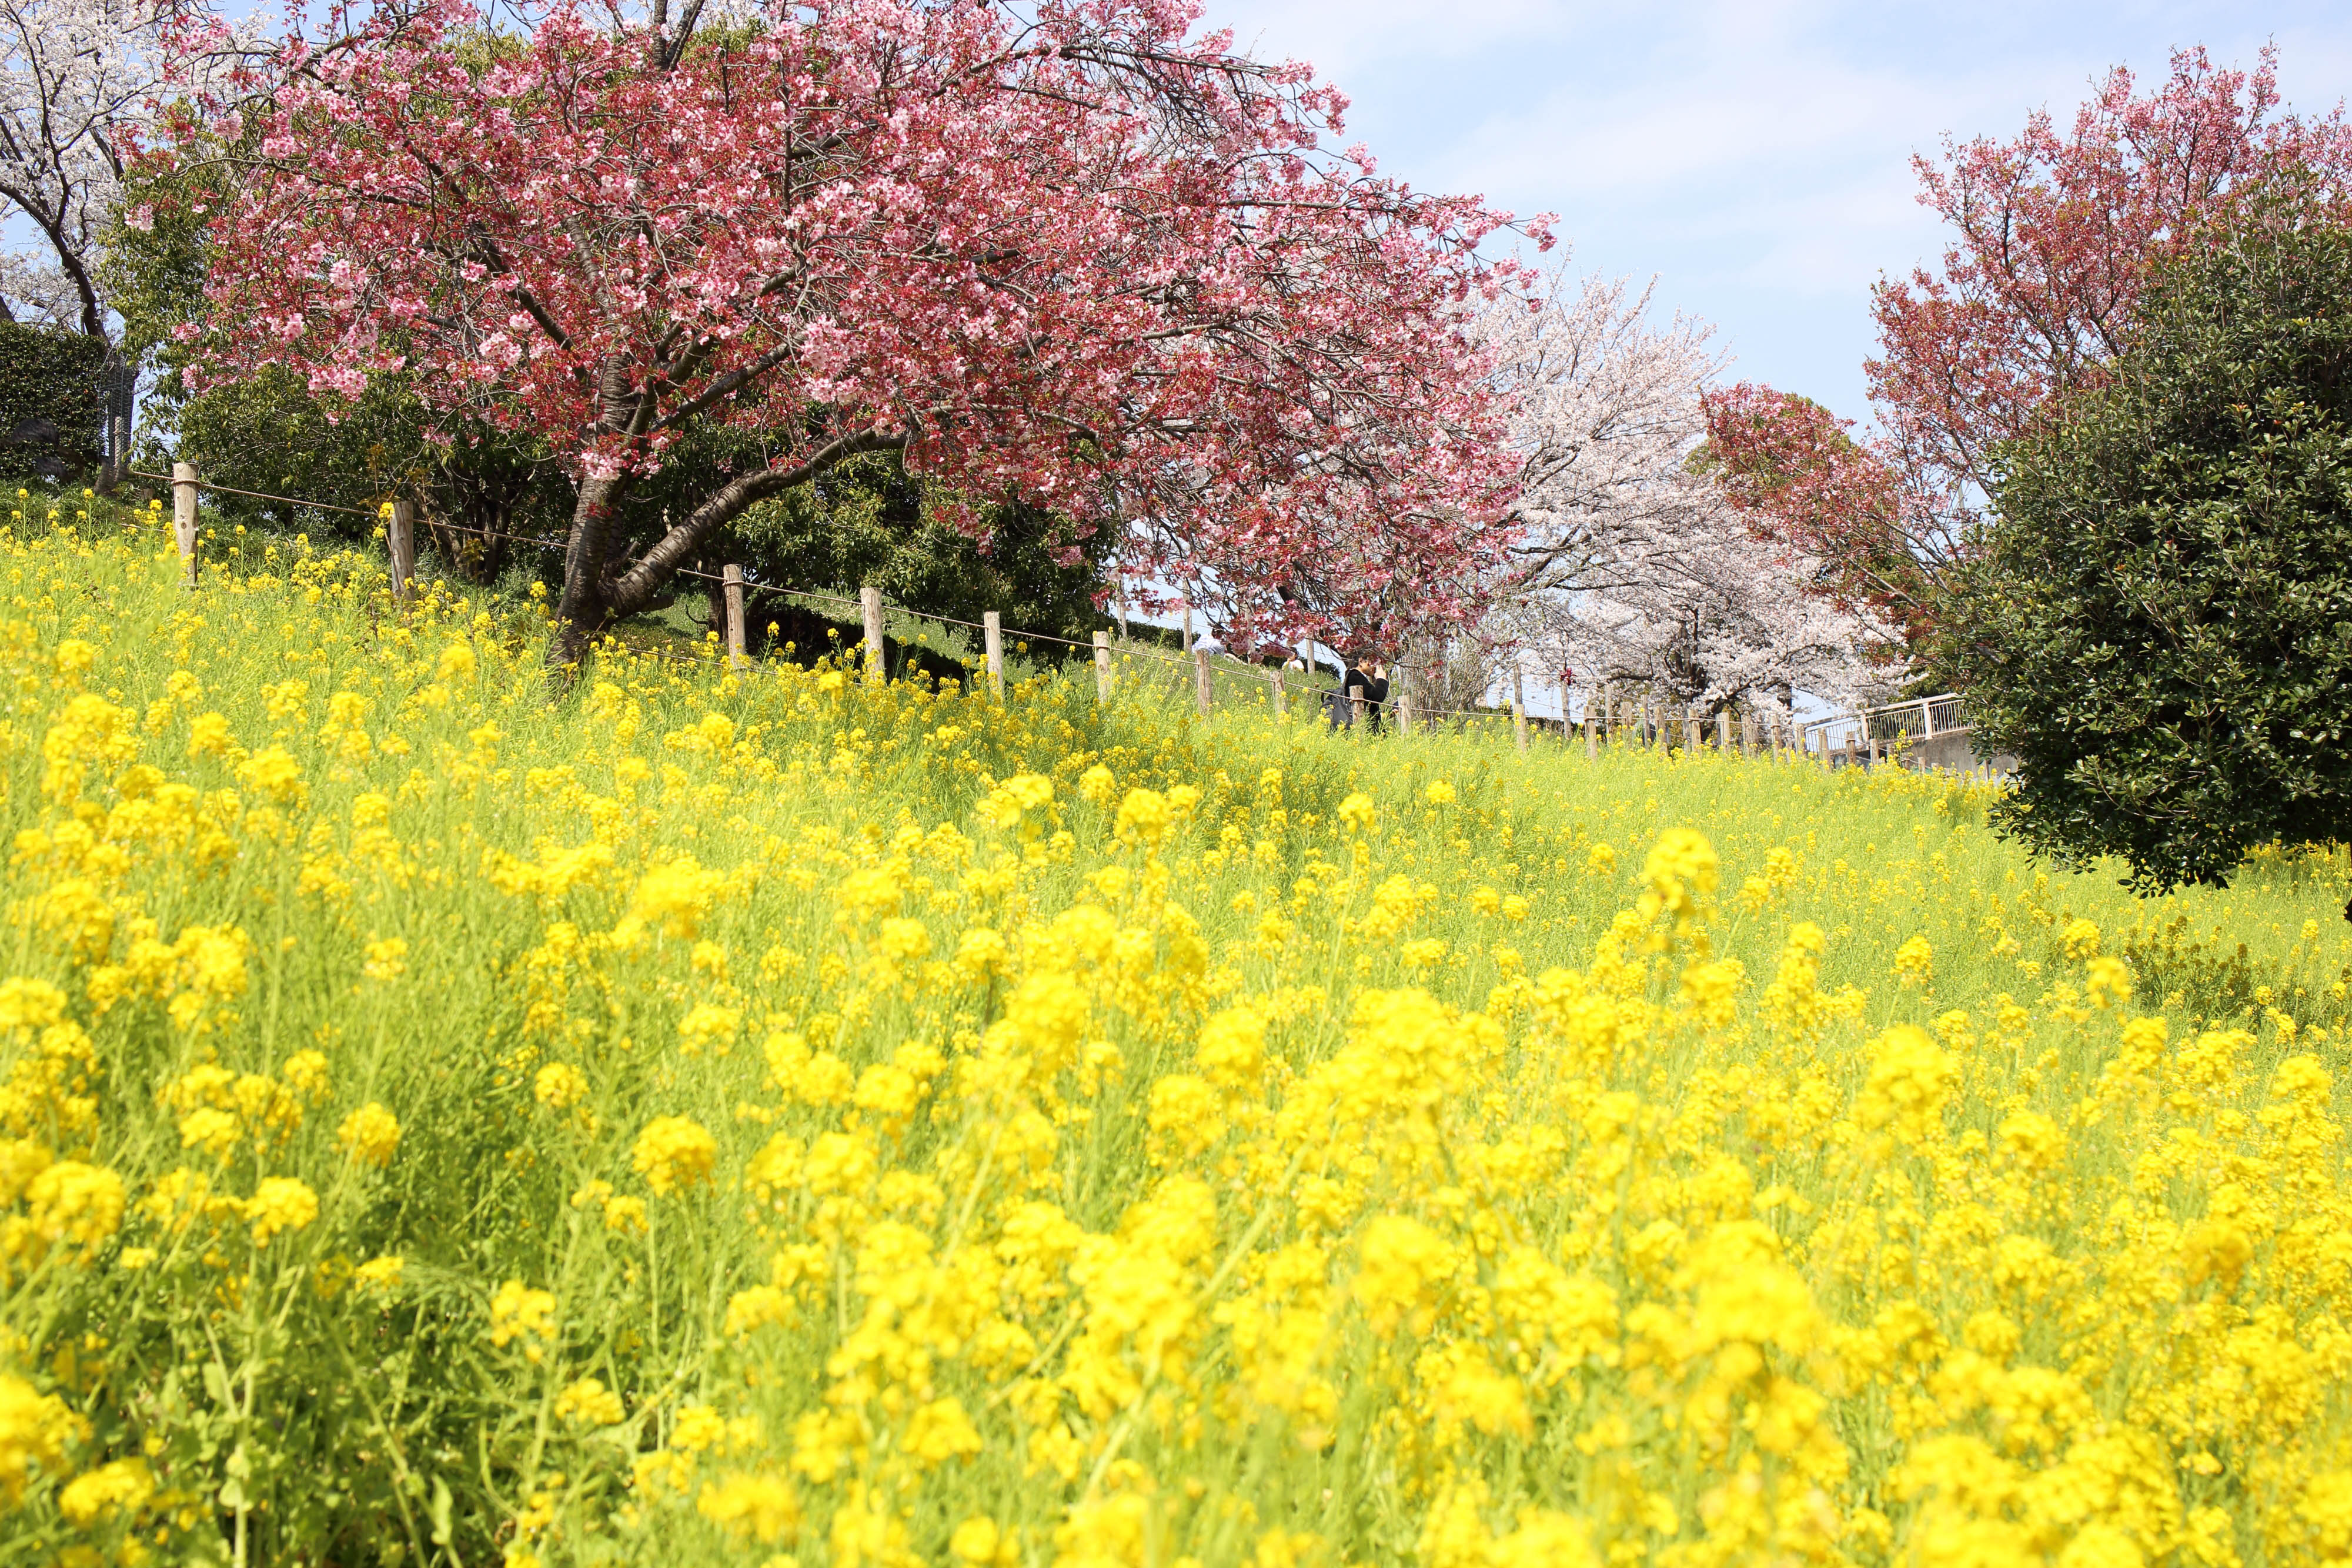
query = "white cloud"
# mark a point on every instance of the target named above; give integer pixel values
(1755, 155)
(1342, 37)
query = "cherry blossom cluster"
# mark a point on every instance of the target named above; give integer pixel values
(1632, 558)
(1068, 253)
(2053, 234)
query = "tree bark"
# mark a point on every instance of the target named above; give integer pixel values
(591, 601)
(583, 610)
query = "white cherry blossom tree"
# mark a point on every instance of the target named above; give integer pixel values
(1630, 564)
(75, 76)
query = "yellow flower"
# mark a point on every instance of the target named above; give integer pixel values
(1358, 813)
(708, 1026)
(370, 1134)
(306, 1070)
(760, 1505)
(1402, 1264)
(75, 1204)
(279, 1204)
(559, 1086)
(977, 1540)
(2109, 982)
(940, 1431)
(36, 1431)
(761, 1306)
(208, 736)
(1439, 793)
(121, 1487)
(381, 1275)
(1680, 873)
(589, 1403)
(275, 774)
(674, 1153)
(1911, 1080)
(518, 1313)
(1144, 818)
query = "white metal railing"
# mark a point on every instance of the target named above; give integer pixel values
(1919, 718)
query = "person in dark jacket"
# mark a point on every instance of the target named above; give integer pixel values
(1375, 693)
(1337, 709)
(1339, 703)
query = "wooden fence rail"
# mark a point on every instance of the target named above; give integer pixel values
(1607, 717)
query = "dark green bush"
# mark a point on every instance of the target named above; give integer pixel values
(52, 403)
(2158, 623)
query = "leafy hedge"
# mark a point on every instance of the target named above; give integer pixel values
(2159, 625)
(52, 401)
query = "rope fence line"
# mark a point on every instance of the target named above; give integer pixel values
(1607, 717)
(257, 495)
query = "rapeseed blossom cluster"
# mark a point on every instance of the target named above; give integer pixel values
(748, 1116)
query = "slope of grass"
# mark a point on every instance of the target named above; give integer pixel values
(731, 1115)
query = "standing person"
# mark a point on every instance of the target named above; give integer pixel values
(1376, 692)
(1341, 704)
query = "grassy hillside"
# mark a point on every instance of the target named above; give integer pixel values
(749, 1117)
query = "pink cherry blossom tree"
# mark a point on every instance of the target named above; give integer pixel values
(2051, 235)
(1067, 252)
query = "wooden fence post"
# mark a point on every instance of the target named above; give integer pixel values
(184, 516)
(1281, 695)
(869, 600)
(1723, 729)
(1356, 702)
(1519, 709)
(400, 543)
(730, 588)
(1202, 681)
(1102, 666)
(1591, 746)
(1404, 701)
(1690, 728)
(992, 637)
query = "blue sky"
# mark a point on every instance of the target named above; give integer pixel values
(1755, 156)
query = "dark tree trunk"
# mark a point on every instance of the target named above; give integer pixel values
(584, 609)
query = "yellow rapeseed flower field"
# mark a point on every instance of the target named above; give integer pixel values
(752, 1117)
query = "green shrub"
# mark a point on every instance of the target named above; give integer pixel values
(52, 401)
(2158, 624)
